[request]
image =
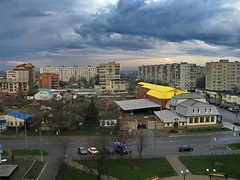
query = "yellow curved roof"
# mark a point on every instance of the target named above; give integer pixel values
(161, 92)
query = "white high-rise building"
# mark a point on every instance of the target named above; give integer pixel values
(75, 72)
(181, 76)
(223, 75)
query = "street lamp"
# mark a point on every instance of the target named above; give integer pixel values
(213, 139)
(40, 136)
(25, 129)
(210, 173)
(184, 173)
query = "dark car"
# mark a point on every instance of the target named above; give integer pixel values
(185, 148)
(82, 150)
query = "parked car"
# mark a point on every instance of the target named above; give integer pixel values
(120, 147)
(82, 150)
(234, 109)
(185, 148)
(93, 150)
(108, 150)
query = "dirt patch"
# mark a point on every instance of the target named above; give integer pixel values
(218, 163)
(136, 168)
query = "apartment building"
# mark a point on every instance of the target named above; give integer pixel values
(117, 86)
(108, 71)
(13, 87)
(31, 71)
(74, 72)
(48, 81)
(223, 75)
(181, 76)
(17, 76)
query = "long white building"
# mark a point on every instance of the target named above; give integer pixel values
(181, 76)
(75, 72)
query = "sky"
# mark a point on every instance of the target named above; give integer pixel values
(131, 32)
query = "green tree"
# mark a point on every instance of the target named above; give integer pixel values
(91, 118)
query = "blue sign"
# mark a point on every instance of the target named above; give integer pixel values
(1, 146)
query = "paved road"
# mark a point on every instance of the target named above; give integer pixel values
(58, 146)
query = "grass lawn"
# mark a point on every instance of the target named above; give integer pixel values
(28, 152)
(67, 172)
(65, 133)
(234, 146)
(228, 164)
(35, 170)
(201, 130)
(134, 169)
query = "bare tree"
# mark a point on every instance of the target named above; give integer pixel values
(100, 158)
(142, 142)
(122, 137)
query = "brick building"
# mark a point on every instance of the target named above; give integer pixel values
(48, 81)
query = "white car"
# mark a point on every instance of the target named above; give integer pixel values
(93, 150)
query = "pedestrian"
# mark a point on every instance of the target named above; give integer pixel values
(130, 153)
(65, 157)
(12, 157)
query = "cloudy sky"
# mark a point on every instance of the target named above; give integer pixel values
(132, 32)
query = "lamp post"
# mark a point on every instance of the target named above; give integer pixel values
(210, 172)
(25, 129)
(16, 125)
(213, 139)
(184, 173)
(40, 136)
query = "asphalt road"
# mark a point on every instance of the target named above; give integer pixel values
(156, 147)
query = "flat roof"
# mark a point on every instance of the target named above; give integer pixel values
(137, 104)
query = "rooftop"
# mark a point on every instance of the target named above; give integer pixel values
(137, 104)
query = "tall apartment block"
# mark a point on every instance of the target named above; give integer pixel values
(75, 72)
(223, 75)
(48, 81)
(17, 76)
(180, 76)
(108, 71)
(27, 67)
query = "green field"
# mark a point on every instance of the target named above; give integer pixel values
(228, 164)
(134, 169)
(67, 172)
(28, 152)
(202, 130)
(234, 146)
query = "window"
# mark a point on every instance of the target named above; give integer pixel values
(198, 111)
(193, 111)
(210, 110)
(167, 124)
(195, 120)
(191, 120)
(212, 119)
(207, 119)
(183, 123)
(205, 110)
(201, 119)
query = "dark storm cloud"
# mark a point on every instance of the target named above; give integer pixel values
(171, 20)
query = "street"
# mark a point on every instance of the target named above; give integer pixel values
(58, 146)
